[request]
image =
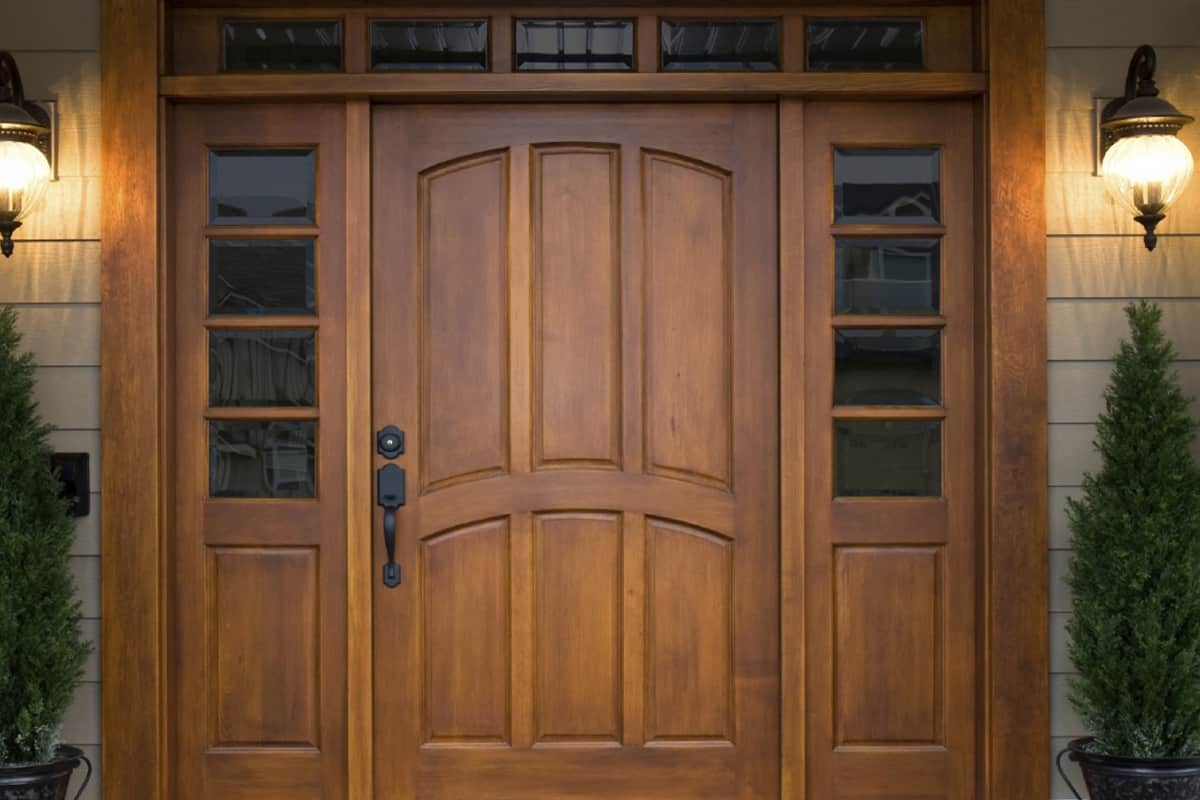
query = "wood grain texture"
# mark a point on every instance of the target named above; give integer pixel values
(1015, 512)
(132, 602)
(360, 507)
(532, 86)
(792, 456)
(592, 620)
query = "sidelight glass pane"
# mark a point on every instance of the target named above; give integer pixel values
(888, 458)
(887, 185)
(261, 276)
(262, 368)
(736, 45)
(571, 45)
(430, 44)
(887, 367)
(262, 458)
(262, 186)
(865, 44)
(284, 45)
(888, 276)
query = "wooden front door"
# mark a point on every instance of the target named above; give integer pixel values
(575, 324)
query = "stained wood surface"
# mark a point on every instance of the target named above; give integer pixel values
(579, 338)
(258, 607)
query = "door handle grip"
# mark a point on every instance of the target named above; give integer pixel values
(391, 496)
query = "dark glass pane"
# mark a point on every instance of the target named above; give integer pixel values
(262, 459)
(262, 186)
(888, 276)
(262, 368)
(888, 367)
(888, 458)
(433, 44)
(298, 45)
(261, 276)
(866, 44)
(696, 45)
(887, 184)
(567, 45)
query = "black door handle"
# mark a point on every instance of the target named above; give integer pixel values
(391, 496)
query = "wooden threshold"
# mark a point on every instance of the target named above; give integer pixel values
(575, 86)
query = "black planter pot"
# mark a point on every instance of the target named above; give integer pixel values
(44, 781)
(1116, 778)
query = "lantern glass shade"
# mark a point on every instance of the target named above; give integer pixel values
(24, 176)
(1147, 173)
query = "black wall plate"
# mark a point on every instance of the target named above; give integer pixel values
(76, 481)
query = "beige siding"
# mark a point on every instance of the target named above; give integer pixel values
(53, 279)
(1096, 262)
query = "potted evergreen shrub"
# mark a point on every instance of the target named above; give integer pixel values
(42, 653)
(1135, 632)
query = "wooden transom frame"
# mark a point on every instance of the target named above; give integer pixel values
(1008, 83)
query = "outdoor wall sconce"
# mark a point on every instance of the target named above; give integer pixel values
(1145, 166)
(24, 152)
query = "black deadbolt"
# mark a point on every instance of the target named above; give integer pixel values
(390, 442)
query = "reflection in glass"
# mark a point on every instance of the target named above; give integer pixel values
(262, 458)
(261, 276)
(568, 45)
(887, 367)
(295, 45)
(262, 368)
(430, 44)
(887, 185)
(888, 458)
(888, 276)
(865, 44)
(262, 186)
(696, 45)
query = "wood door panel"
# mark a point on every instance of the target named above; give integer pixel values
(257, 592)
(889, 650)
(576, 247)
(577, 629)
(890, 581)
(465, 578)
(689, 634)
(689, 339)
(605, 580)
(463, 210)
(265, 652)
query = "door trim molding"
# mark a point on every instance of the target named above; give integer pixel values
(1014, 735)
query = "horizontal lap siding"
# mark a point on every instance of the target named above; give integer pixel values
(1096, 262)
(53, 280)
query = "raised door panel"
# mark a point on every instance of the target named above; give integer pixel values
(688, 319)
(577, 629)
(689, 634)
(466, 635)
(265, 654)
(576, 252)
(888, 660)
(463, 212)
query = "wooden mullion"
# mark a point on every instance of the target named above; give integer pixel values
(239, 413)
(889, 231)
(262, 231)
(253, 322)
(889, 412)
(887, 321)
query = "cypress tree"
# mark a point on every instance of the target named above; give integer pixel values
(1135, 633)
(42, 653)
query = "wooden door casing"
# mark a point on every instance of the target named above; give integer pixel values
(890, 583)
(575, 321)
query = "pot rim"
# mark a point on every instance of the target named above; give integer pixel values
(65, 755)
(1080, 753)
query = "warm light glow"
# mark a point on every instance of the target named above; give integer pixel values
(24, 175)
(1147, 173)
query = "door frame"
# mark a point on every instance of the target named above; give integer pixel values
(137, 424)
